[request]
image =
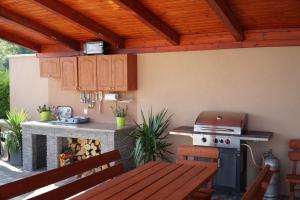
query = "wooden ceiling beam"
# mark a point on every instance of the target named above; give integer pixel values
(28, 23)
(12, 37)
(85, 22)
(150, 19)
(229, 20)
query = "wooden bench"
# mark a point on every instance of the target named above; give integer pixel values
(211, 155)
(258, 188)
(35, 182)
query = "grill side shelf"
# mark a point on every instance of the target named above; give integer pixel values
(257, 136)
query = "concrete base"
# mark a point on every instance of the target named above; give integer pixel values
(110, 140)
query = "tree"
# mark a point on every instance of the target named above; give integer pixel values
(4, 93)
(7, 48)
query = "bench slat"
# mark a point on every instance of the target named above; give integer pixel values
(80, 185)
(32, 183)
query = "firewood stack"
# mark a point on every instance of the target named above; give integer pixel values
(80, 149)
(84, 148)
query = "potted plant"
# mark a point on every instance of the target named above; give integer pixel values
(151, 140)
(45, 112)
(120, 114)
(13, 138)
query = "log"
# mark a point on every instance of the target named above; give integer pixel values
(92, 146)
(93, 153)
(87, 147)
(69, 140)
(97, 142)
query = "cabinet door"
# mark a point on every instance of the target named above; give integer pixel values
(69, 78)
(49, 67)
(104, 73)
(87, 76)
(119, 72)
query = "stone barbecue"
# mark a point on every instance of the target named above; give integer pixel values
(43, 142)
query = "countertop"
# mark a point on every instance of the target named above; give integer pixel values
(255, 136)
(106, 127)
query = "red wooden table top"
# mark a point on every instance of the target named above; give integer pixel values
(154, 180)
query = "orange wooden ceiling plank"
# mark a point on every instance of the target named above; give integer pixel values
(87, 23)
(186, 16)
(228, 18)
(29, 9)
(19, 40)
(146, 16)
(25, 32)
(37, 27)
(267, 14)
(113, 17)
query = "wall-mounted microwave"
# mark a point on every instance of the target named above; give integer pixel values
(98, 47)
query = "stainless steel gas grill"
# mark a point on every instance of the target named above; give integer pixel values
(226, 131)
(219, 129)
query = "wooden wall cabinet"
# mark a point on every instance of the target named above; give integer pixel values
(117, 72)
(69, 73)
(49, 67)
(92, 73)
(87, 73)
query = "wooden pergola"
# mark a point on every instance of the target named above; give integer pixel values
(49, 26)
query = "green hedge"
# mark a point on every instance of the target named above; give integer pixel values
(4, 93)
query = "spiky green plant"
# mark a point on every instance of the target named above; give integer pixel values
(14, 134)
(151, 140)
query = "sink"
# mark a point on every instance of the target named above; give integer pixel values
(60, 123)
(55, 123)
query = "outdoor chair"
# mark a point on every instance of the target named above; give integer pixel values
(260, 185)
(209, 157)
(38, 181)
(293, 179)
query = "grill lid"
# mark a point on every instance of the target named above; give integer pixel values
(221, 122)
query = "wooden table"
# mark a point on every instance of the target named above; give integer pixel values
(155, 180)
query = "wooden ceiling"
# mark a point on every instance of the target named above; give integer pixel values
(150, 25)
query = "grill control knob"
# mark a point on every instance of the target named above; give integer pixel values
(216, 140)
(204, 139)
(227, 141)
(221, 141)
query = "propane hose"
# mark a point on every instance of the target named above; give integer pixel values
(252, 156)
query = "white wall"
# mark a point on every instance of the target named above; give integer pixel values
(27, 89)
(263, 82)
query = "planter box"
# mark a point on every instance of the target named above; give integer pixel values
(15, 158)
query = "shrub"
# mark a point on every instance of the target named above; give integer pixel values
(14, 134)
(4, 93)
